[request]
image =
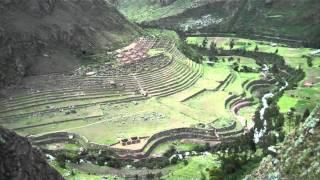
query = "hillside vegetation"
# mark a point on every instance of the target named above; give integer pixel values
(294, 19)
(298, 156)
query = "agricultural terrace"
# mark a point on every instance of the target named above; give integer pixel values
(149, 88)
(148, 96)
(306, 95)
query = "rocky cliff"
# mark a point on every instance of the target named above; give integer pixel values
(46, 36)
(19, 160)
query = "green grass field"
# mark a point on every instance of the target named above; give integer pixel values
(148, 117)
(293, 57)
(195, 169)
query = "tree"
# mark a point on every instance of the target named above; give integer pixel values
(235, 66)
(205, 42)
(61, 160)
(231, 44)
(213, 46)
(170, 151)
(274, 68)
(306, 114)
(309, 62)
(298, 119)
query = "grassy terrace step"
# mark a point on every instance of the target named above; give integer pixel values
(172, 83)
(132, 86)
(174, 67)
(127, 79)
(62, 90)
(62, 95)
(179, 88)
(229, 80)
(60, 104)
(150, 144)
(259, 81)
(168, 77)
(258, 86)
(153, 144)
(236, 101)
(230, 99)
(64, 98)
(70, 92)
(147, 73)
(55, 122)
(40, 111)
(53, 96)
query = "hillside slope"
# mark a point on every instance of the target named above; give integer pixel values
(46, 36)
(295, 19)
(299, 155)
(19, 160)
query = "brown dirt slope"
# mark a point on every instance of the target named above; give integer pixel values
(46, 36)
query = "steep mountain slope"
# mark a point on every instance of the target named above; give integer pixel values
(296, 19)
(299, 19)
(45, 36)
(299, 155)
(19, 160)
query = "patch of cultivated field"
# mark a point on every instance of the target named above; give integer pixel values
(130, 119)
(236, 86)
(107, 124)
(67, 126)
(212, 76)
(55, 117)
(248, 113)
(178, 145)
(300, 99)
(295, 57)
(195, 169)
(212, 103)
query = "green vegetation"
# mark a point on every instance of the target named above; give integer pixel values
(221, 79)
(197, 168)
(178, 145)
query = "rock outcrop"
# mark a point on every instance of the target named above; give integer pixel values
(46, 36)
(19, 160)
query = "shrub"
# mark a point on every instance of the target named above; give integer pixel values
(61, 160)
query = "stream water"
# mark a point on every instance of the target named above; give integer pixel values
(259, 134)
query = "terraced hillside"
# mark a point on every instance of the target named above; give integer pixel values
(59, 98)
(40, 37)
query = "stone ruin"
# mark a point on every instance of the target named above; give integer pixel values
(132, 140)
(135, 51)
